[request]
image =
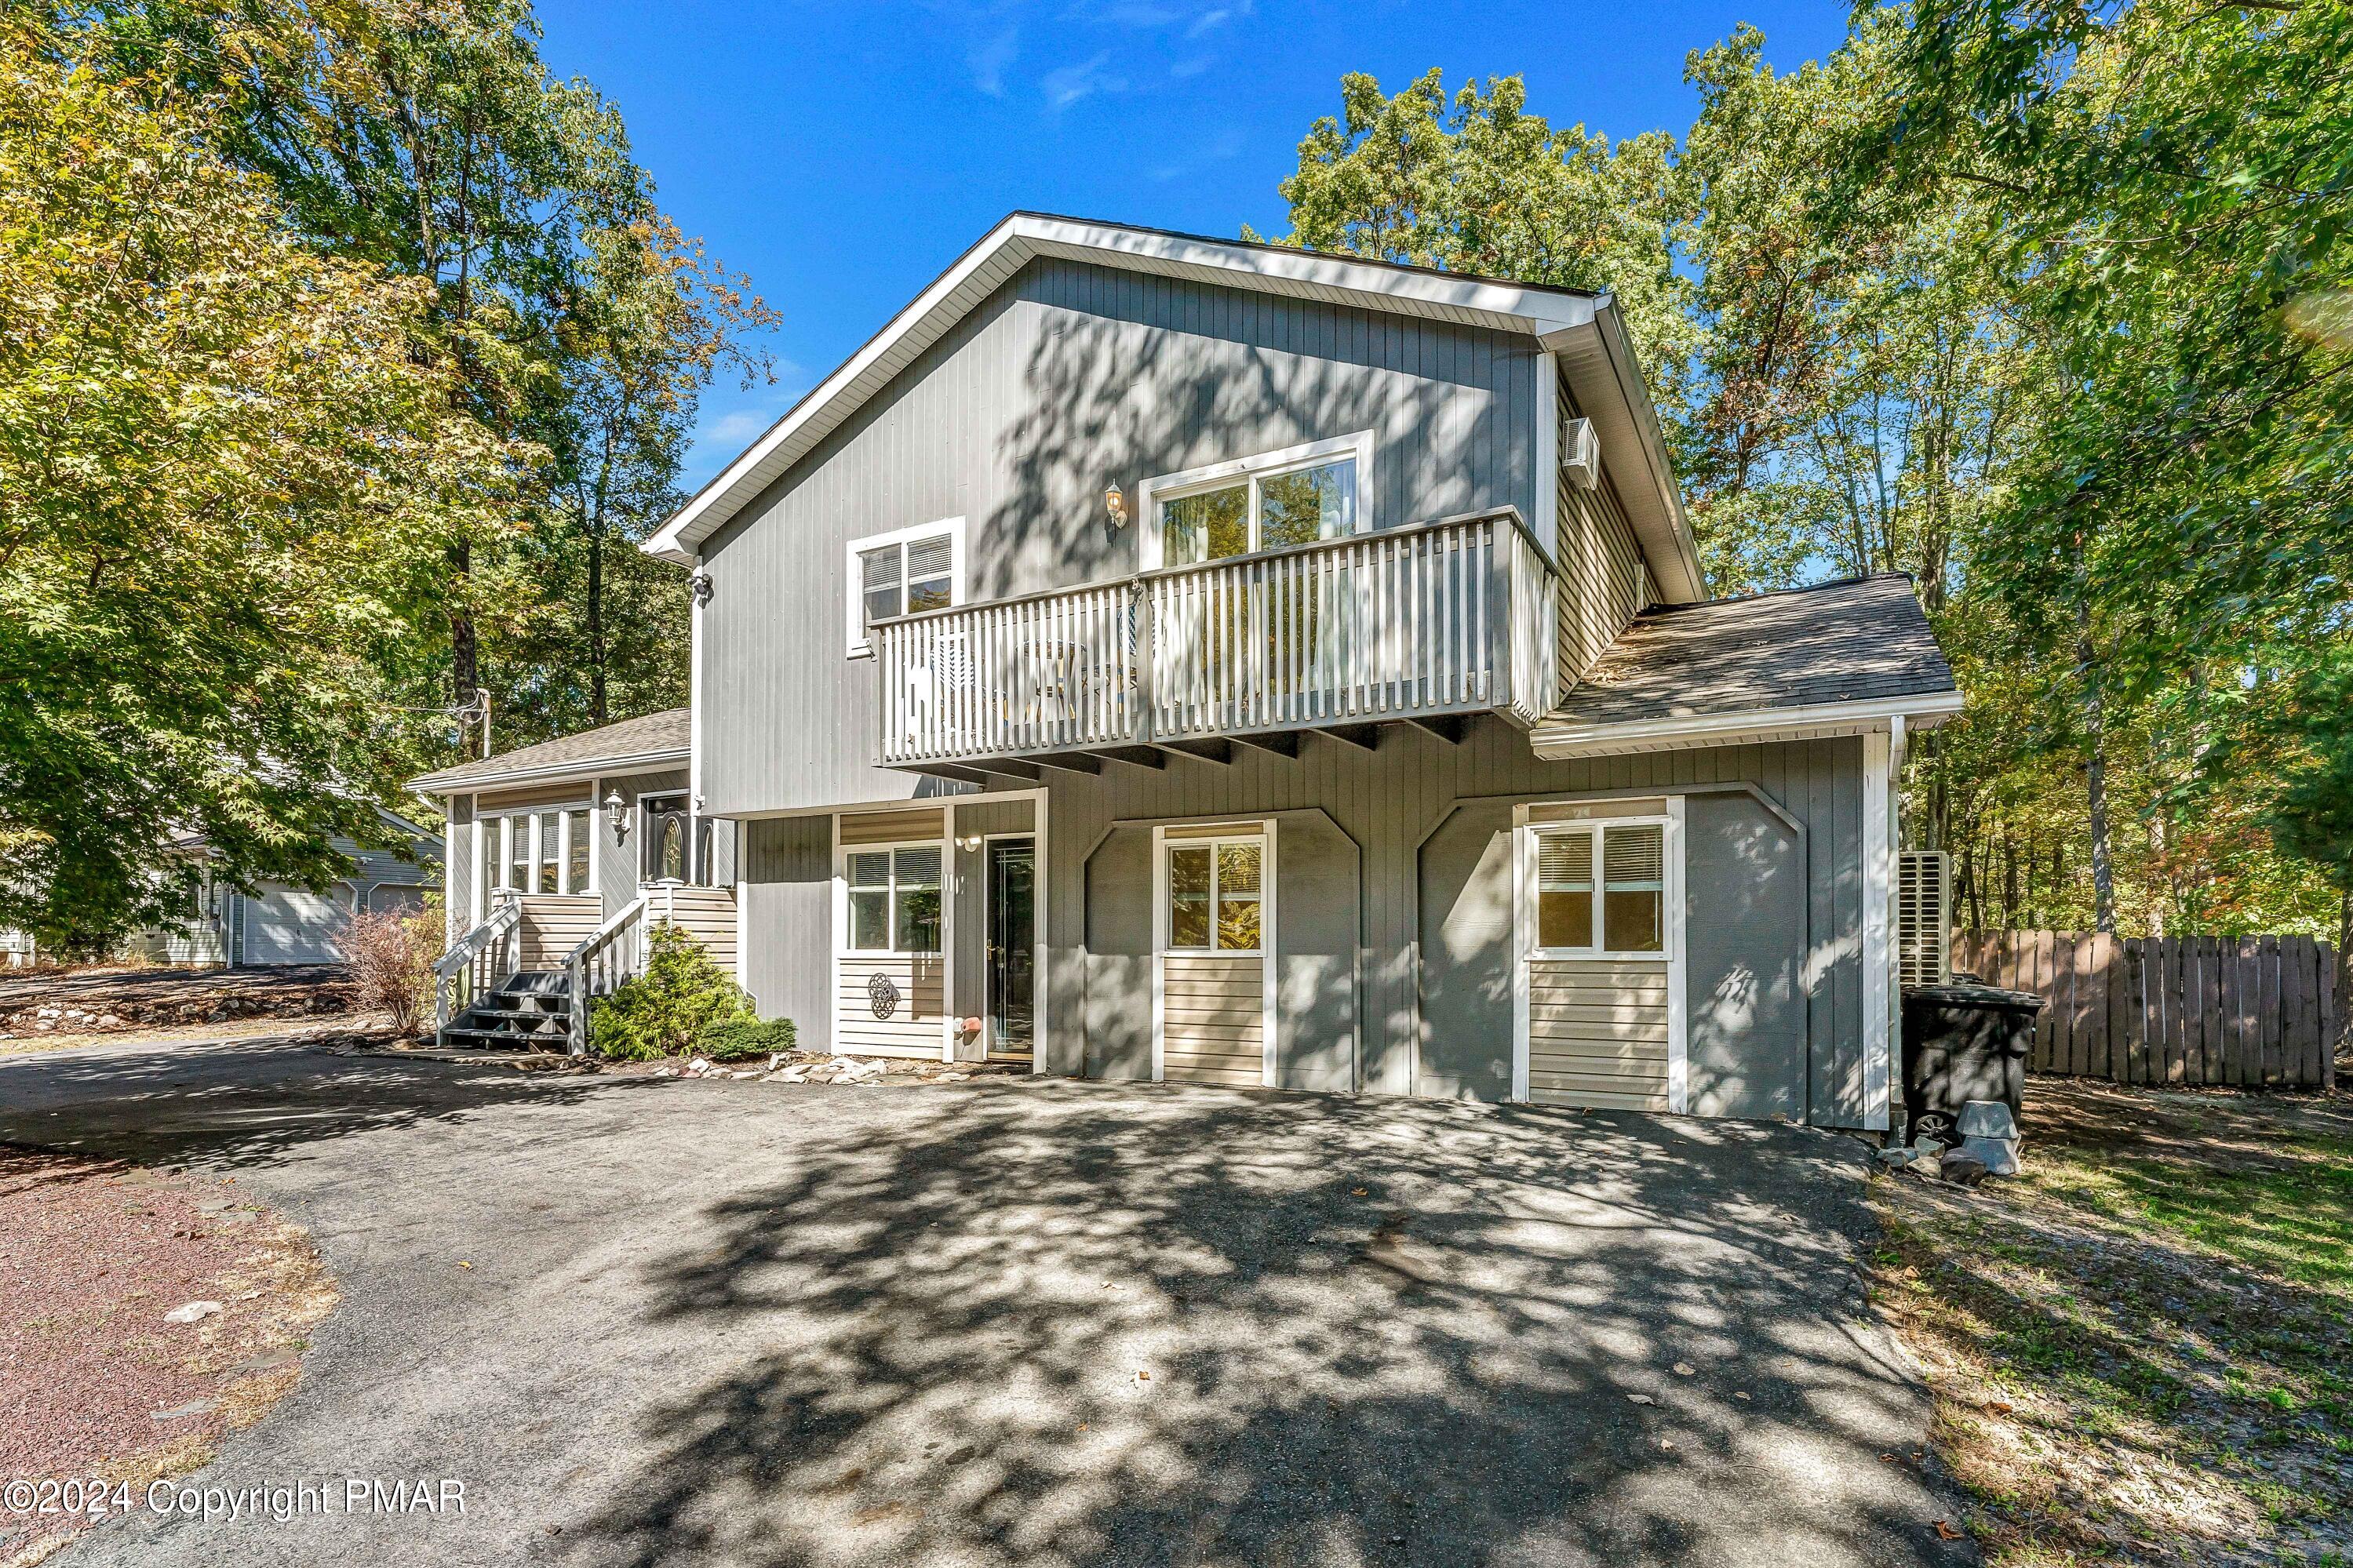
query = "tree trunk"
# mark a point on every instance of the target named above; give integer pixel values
(2095, 784)
(2008, 881)
(465, 647)
(596, 628)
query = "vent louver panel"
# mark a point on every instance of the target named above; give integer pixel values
(1924, 917)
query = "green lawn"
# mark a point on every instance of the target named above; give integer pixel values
(2141, 1345)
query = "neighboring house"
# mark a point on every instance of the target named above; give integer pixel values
(285, 924)
(1164, 657)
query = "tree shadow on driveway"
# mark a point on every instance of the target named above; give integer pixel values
(1095, 1324)
(248, 1102)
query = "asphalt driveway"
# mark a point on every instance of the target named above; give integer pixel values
(1050, 1323)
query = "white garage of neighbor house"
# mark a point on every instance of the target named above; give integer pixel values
(287, 924)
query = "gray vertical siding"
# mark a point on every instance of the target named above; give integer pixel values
(787, 893)
(1070, 377)
(1603, 582)
(1426, 818)
(458, 887)
(616, 859)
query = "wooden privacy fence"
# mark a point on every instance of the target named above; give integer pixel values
(2254, 1010)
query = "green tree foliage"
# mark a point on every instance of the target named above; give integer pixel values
(370, 333)
(2045, 306)
(226, 474)
(662, 1011)
(429, 139)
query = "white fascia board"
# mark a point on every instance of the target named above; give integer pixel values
(1638, 457)
(1002, 251)
(1557, 741)
(430, 784)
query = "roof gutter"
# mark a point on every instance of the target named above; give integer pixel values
(1923, 710)
(450, 781)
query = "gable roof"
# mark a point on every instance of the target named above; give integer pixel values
(651, 741)
(1582, 327)
(1842, 647)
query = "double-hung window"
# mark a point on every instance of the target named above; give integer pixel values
(894, 898)
(1214, 897)
(1296, 496)
(903, 573)
(1601, 888)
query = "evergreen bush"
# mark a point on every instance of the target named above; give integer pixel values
(742, 1037)
(664, 1011)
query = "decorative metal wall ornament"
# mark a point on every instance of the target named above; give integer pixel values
(882, 996)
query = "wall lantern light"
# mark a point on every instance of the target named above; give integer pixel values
(1115, 508)
(616, 812)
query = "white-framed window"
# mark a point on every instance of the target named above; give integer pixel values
(1216, 893)
(1601, 888)
(903, 573)
(1296, 496)
(542, 849)
(894, 893)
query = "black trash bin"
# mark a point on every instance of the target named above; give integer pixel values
(1964, 1042)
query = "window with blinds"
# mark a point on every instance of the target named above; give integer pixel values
(1634, 889)
(1565, 889)
(902, 575)
(894, 898)
(1625, 910)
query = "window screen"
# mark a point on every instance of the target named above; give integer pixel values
(931, 575)
(878, 572)
(1565, 889)
(916, 899)
(1633, 889)
(869, 901)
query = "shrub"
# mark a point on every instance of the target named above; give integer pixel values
(665, 1010)
(745, 1037)
(392, 958)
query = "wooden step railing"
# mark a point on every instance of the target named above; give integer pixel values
(476, 964)
(1451, 617)
(614, 952)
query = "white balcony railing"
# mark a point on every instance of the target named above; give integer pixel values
(1445, 617)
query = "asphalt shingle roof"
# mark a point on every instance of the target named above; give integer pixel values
(656, 733)
(1849, 641)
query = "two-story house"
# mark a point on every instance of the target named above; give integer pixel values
(1166, 658)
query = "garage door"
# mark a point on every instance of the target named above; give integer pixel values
(288, 925)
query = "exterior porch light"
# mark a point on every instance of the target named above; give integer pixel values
(1115, 508)
(616, 813)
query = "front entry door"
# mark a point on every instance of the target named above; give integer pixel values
(1012, 944)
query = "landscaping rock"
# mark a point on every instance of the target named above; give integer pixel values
(1998, 1156)
(1986, 1119)
(195, 1312)
(1961, 1169)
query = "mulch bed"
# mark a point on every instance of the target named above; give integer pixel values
(107, 1000)
(94, 1381)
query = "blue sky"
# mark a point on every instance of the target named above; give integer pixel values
(842, 153)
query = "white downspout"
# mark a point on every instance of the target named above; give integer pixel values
(698, 595)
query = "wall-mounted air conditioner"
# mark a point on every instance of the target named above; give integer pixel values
(1580, 453)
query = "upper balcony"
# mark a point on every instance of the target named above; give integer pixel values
(1427, 624)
